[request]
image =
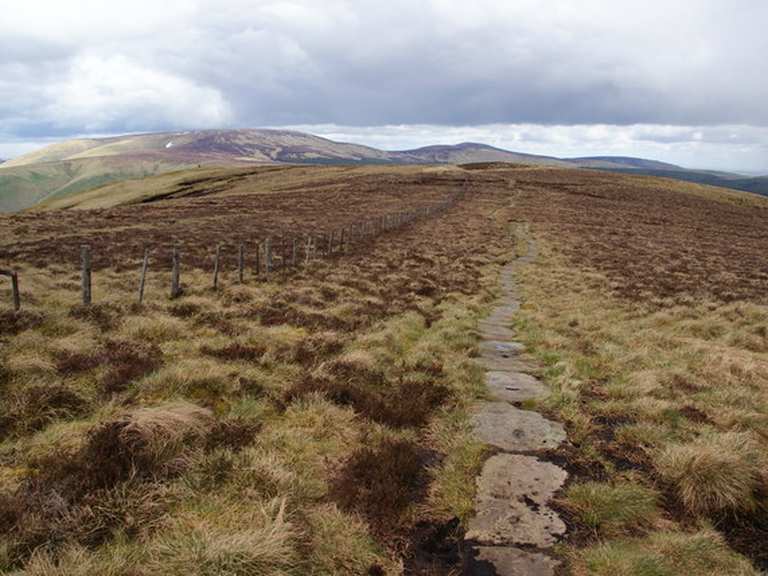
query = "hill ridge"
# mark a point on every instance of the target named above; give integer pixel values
(85, 163)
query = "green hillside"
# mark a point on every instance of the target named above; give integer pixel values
(26, 185)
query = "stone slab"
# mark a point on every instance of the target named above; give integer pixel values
(507, 561)
(514, 386)
(504, 364)
(513, 430)
(513, 493)
(500, 348)
(505, 313)
(507, 365)
(496, 331)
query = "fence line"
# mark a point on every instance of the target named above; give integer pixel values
(267, 255)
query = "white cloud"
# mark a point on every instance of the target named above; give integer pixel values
(79, 22)
(85, 65)
(101, 93)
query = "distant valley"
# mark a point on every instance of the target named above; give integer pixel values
(75, 166)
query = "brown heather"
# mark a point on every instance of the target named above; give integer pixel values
(317, 422)
(260, 429)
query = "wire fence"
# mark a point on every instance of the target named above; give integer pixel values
(269, 256)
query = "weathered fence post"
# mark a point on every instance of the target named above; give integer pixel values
(241, 262)
(293, 255)
(175, 274)
(216, 267)
(267, 256)
(143, 277)
(85, 274)
(14, 276)
(15, 290)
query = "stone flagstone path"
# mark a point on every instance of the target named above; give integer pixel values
(514, 527)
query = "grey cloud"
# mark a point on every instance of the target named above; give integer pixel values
(191, 63)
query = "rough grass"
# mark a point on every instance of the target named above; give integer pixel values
(673, 391)
(716, 472)
(612, 509)
(223, 432)
(228, 538)
(702, 553)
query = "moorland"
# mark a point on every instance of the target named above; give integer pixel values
(316, 420)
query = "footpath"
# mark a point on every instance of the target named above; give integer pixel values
(514, 528)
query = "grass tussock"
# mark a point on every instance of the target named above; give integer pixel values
(104, 316)
(28, 409)
(146, 442)
(12, 322)
(664, 554)
(612, 509)
(203, 381)
(715, 473)
(245, 539)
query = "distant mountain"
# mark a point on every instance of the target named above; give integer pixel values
(620, 162)
(263, 146)
(469, 152)
(74, 166)
(641, 166)
(77, 165)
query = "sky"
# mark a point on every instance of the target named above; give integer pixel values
(684, 81)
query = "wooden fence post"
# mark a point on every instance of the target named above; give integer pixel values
(14, 276)
(216, 267)
(267, 256)
(15, 290)
(257, 267)
(143, 278)
(293, 256)
(241, 262)
(85, 274)
(175, 274)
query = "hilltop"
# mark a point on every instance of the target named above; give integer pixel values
(66, 168)
(268, 411)
(61, 170)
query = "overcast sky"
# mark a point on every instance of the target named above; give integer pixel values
(678, 80)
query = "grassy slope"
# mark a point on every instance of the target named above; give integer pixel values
(255, 430)
(223, 181)
(758, 185)
(23, 186)
(651, 324)
(646, 308)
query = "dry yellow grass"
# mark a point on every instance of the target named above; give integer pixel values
(678, 393)
(221, 433)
